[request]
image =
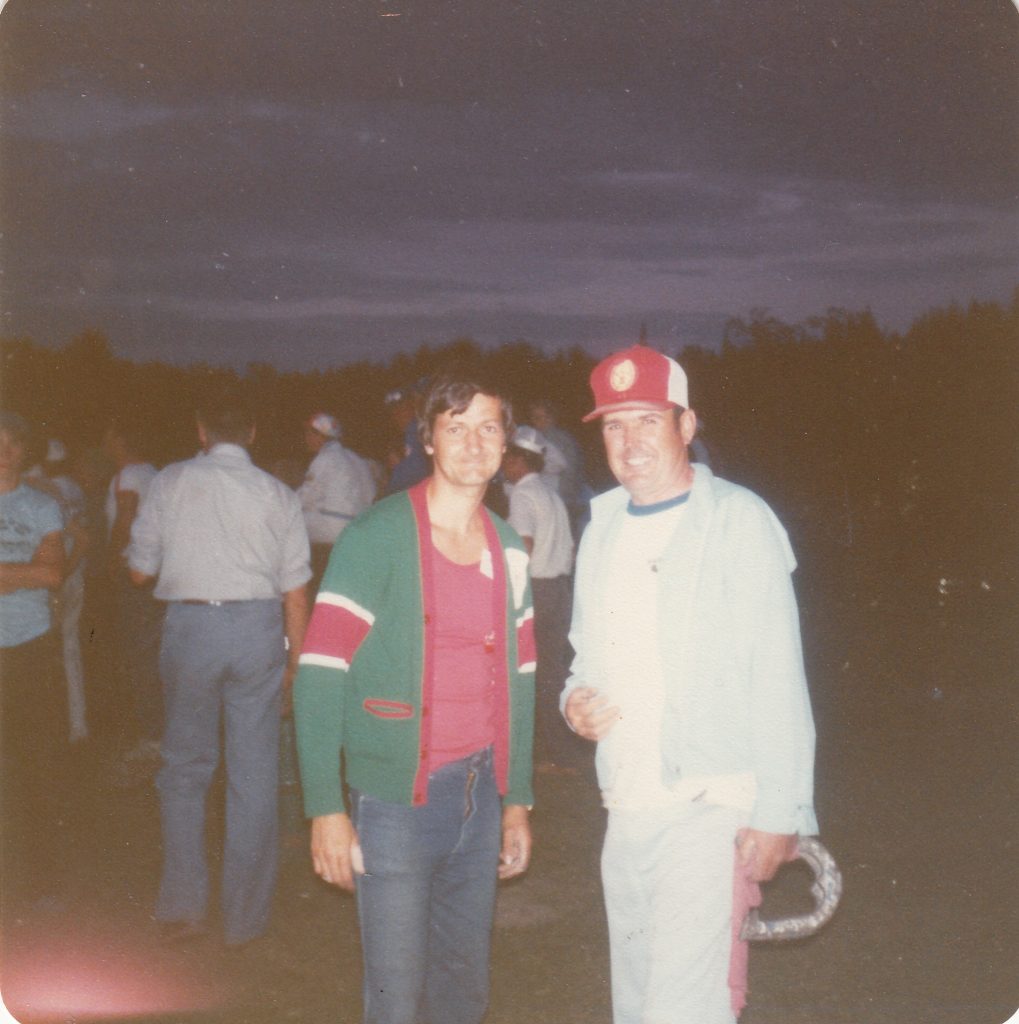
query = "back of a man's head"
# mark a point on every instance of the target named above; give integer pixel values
(226, 415)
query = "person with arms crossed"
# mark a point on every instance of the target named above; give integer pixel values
(33, 703)
(689, 675)
(418, 668)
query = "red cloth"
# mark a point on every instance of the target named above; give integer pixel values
(746, 894)
(462, 721)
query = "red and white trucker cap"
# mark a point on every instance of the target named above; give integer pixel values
(634, 377)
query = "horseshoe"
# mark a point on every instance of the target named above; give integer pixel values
(826, 890)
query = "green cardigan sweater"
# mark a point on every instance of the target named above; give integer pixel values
(365, 683)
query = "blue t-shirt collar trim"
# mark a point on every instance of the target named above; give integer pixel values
(658, 506)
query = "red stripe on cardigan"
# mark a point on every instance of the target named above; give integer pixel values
(334, 632)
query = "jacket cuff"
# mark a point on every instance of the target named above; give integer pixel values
(521, 795)
(779, 818)
(326, 801)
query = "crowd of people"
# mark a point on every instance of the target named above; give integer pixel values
(425, 632)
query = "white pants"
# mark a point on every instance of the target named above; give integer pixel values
(668, 881)
(72, 599)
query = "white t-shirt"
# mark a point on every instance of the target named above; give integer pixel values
(632, 747)
(134, 477)
(536, 511)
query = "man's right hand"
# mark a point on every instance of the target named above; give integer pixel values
(335, 851)
(589, 713)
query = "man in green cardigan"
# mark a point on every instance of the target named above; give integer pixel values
(418, 672)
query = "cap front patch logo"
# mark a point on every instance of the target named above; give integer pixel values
(622, 375)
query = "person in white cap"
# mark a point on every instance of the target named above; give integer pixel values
(564, 461)
(539, 515)
(338, 486)
(689, 676)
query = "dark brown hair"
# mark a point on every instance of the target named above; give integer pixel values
(453, 392)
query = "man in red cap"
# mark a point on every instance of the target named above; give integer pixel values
(689, 676)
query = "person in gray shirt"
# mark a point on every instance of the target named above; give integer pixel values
(227, 546)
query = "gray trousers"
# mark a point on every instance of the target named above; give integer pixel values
(221, 663)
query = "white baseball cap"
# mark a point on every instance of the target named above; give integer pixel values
(530, 439)
(327, 425)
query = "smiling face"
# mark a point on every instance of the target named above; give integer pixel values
(646, 447)
(467, 447)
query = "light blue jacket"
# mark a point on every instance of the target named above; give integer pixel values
(736, 691)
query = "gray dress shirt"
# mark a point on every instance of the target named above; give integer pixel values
(218, 528)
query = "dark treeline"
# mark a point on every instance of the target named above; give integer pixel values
(893, 453)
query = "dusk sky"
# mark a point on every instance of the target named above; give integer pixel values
(317, 182)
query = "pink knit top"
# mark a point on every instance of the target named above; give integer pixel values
(462, 721)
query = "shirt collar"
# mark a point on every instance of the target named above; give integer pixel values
(227, 451)
(658, 506)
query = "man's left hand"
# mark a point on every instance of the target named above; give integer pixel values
(764, 852)
(516, 841)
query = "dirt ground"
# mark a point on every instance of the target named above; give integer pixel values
(915, 695)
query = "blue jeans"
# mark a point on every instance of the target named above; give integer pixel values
(224, 661)
(427, 898)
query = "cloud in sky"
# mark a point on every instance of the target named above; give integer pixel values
(331, 182)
